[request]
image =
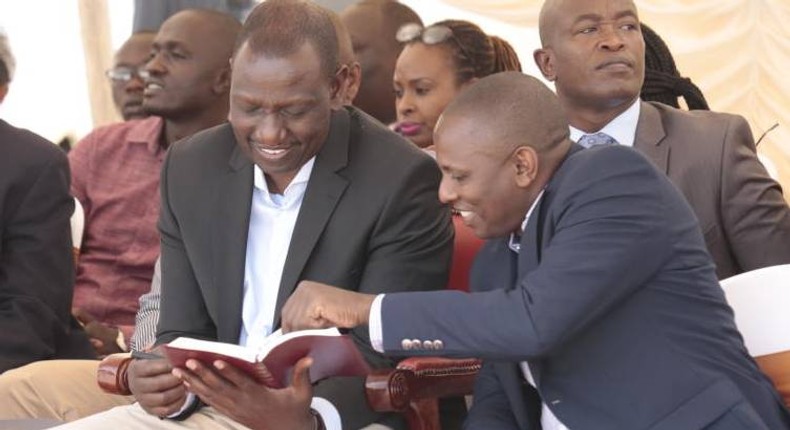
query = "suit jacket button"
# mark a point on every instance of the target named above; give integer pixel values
(438, 344)
(405, 344)
(427, 344)
(416, 344)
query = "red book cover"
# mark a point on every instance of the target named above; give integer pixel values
(333, 354)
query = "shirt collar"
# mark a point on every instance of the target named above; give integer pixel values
(148, 132)
(515, 239)
(622, 128)
(295, 186)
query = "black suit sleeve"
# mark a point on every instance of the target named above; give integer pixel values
(36, 263)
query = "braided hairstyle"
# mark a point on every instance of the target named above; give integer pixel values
(476, 54)
(663, 82)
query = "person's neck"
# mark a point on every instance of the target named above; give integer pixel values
(591, 118)
(177, 129)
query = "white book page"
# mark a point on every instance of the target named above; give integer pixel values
(228, 349)
(278, 338)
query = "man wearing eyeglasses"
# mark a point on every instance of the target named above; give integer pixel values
(127, 75)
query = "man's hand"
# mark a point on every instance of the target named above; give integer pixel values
(155, 388)
(238, 396)
(102, 337)
(316, 305)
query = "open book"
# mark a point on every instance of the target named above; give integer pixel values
(333, 354)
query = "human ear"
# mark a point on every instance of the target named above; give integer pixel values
(222, 80)
(526, 164)
(339, 87)
(544, 59)
(354, 82)
(3, 92)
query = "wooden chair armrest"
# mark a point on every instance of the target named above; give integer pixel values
(419, 378)
(111, 374)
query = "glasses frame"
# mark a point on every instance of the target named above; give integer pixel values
(430, 35)
(127, 73)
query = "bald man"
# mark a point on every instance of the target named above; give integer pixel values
(372, 25)
(594, 52)
(595, 287)
(126, 75)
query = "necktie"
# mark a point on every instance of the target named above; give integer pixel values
(590, 140)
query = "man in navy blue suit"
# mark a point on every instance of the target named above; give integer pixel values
(595, 288)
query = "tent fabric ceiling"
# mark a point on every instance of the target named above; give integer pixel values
(736, 51)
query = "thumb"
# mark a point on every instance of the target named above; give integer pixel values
(301, 377)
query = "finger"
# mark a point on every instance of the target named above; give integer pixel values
(234, 375)
(164, 400)
(301, 377)
(214, 397)
(147, 368)
(96, 343)
(213, 380)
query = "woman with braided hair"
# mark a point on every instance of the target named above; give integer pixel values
(663, 82)
(436, 64)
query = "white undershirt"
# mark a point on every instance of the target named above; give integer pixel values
(622, 128)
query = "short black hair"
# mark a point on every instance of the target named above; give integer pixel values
(281, 27)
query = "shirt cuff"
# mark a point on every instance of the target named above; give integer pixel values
(328, 412)
(191, 398)
(374, 324)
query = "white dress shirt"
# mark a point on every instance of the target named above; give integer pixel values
(272, 223)
(622, 128)
(547, 420)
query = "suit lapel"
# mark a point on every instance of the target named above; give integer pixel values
(324, 190)
(529, 248)
(650, 136)
(229, 243)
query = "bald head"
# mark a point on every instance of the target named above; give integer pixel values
(372, 25)
(515, 110)
(221, 29)
(546, 20)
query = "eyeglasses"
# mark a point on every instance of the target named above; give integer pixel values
(126, 73)
(431, 35)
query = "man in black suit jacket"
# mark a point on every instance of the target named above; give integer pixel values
(36, 263)
(295, 187)
(607, 305)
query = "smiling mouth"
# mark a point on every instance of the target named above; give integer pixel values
(269, 153)
(465, 215)
(152, 87)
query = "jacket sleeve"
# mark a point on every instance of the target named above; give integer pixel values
(36, 264)
(608, 241)
(755, 215)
